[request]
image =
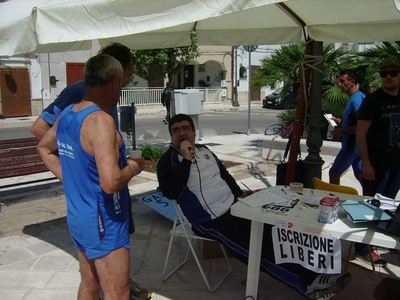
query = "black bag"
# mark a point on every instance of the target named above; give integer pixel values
(281, 169)
(393, 225)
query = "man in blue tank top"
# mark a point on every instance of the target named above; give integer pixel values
(75, 93)
(86, 152)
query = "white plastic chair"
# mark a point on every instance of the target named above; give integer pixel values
(182, 228)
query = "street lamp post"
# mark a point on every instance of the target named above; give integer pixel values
(313, 162)
(249, 49)
(235, 101)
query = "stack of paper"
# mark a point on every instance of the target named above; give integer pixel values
(330, 121)
(280, 197)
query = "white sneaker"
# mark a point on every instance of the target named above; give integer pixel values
(327, 286)
(327, 296)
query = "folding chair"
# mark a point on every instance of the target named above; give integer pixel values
(326, 186)
(182, 228)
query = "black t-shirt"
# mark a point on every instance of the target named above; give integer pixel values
(383, 137)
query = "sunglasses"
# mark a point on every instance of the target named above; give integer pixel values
(393, 73)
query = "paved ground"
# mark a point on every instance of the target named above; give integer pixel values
(38, 261)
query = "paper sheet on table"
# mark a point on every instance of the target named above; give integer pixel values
(330, 121)
(277, 197)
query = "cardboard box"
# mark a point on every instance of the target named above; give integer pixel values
(210, 249)
(328, 209)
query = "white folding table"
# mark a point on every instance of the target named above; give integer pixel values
(365, 232)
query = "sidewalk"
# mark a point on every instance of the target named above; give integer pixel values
(38, 260)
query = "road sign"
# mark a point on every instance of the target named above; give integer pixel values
(250, 48)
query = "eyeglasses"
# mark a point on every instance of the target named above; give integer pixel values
(178, 130)
(392, 73)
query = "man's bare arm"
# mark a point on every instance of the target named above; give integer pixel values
(361, 138)
(48, 151)
(39, 128)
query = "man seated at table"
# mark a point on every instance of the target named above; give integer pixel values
(196, 178)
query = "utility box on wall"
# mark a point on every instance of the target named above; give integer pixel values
(190, 102)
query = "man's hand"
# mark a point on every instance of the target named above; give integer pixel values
(337, 132)
(337, 120)
(187, 149)
(138, 164)
(368, 172)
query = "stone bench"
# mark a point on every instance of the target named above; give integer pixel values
(19, 157)
(273, 148)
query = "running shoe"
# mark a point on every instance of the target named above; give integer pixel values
(376, 259)
(327, 285)
(327, 296)
(137, 292)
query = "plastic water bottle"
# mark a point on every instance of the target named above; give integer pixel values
(329, 134)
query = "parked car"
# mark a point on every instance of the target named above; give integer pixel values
(275, 100)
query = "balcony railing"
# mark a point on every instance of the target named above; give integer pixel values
(152, 96)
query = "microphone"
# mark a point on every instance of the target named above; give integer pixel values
(191, 151)
(190, 148)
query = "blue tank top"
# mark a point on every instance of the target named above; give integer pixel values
(96, 219)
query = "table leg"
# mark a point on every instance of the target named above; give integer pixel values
(253, 268)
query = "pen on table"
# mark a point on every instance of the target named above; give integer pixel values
(247, 187)
(284, 191)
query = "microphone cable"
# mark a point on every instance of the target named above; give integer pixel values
(201, 188)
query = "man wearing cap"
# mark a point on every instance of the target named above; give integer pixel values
(378, 135)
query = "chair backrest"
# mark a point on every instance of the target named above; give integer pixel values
(182, 226)
(179, 214)
(326, 186)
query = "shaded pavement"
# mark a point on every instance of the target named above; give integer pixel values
(38, 260)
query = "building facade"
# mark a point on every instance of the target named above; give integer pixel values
(29, 83)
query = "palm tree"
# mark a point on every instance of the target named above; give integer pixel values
(285, 67)
(367, 63)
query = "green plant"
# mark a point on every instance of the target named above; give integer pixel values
(287, 117)
(219, 76)
(202, 83)
(149, 152)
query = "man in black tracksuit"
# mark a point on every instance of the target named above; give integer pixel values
(205, 191)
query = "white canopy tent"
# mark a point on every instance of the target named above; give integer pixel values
(29, 26)
(32, 26)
